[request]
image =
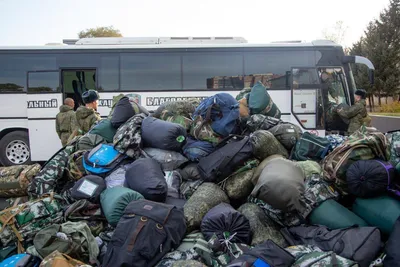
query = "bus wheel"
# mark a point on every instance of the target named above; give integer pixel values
(14, 149)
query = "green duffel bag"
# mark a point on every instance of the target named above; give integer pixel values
(114, 201)
(105, 130)
(381, 212)
(334, 216)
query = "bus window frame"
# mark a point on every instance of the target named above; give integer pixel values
(345, 85)
(309, 87)
(41, 71)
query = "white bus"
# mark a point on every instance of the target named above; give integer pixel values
(35, 80)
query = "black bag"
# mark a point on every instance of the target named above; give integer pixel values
(89, 187)
(146, 232)
(369, 178)
(190, 172)
(287, 134)
(310, 147)
(361, 244)
(392, 251)
(146, 177)
(265, 254)
(231, 153)
(163, 134)
(124, 110)
(223, 218)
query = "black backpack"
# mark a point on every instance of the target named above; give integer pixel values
(146, 232)
(361, 244)
(265, 254)
(232, 152)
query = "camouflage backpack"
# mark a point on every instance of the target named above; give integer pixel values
(19, 224)
(52, 172)
(394, 141)
(201, 130)
(365, 144)
(14, 180)
(128, 139)
(75, 165)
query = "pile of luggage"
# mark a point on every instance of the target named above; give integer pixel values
(221, 182)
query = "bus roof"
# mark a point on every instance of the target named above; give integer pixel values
(52, 46)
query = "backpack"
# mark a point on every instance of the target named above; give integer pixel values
(57, 259)
(52, 171)
(264, 255)
(71, 238)
(102, 159)
(365, 143)
(394, 141)
(128, 138)
(194, 150)
(146, 232)
(75, 165)
(201, 130)
(361, 244)
(232, 152)
(310, 147)
(89, 187)
(21, 260)
(14, 180)
(222, 110)
(370, 178)
(311, 256)
(105, 129)
(19, 224)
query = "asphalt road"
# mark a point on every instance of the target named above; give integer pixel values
(385, 123)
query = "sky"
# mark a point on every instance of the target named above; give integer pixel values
(37, 22)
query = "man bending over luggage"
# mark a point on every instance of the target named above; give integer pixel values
(66, 121)
(87, 115)
(357, 114)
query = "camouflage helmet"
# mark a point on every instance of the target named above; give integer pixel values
(90, 96)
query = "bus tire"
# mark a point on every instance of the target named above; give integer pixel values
(14, 149)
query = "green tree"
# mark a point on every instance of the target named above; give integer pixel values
(100, 32)
(381, 44)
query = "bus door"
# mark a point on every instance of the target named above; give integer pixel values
(307, 108)
(76, 81)
(44, 99)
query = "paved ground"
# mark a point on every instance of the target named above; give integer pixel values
(385, 123)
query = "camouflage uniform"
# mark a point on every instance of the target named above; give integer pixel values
(176, 108)
(357, 114)
(86, 118)
(66, 123)
(394, 141)
(14, 180)
(203, 131)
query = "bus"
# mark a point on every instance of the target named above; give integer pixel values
(34, 81)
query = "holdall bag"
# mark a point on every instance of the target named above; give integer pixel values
(164, 135)
(361, 244)
(146, 232)
(287, 134)
(369, 178)
(102, 159)
(14, 180)
(234, 151)
(221, 110)
(311, 147)
(104, 129)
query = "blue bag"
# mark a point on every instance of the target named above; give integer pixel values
(21, 260)
(102, 159)
(222, 111)
(194, 150)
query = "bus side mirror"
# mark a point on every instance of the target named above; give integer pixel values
(371, 76)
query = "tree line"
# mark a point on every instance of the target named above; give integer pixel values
(380, 44)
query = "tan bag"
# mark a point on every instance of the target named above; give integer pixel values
(14, 180)
(57, 259)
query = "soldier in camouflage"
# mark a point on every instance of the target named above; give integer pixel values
(357, 114)
(66, 122)
(87, 115)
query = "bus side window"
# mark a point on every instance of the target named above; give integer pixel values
(43, 81)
